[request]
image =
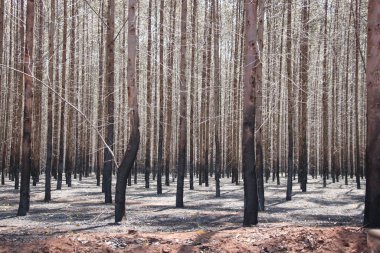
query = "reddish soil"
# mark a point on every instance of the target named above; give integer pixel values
(255, 239)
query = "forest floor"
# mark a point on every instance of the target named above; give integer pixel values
(76, 220)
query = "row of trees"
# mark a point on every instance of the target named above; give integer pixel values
(219, 89)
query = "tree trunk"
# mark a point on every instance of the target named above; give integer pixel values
(372, 196)
(182, 132)
(168, 139)
(217, 95)
(37, 94)
(129, 158)
(26, 161)
(57, 105)
(70, 135)
(193, 84)
(4, 146)
(49, 140)
(161, 107)
(259, 108)
(249, 91)
(325, 90)
(63, 81)
(100, 156)
(110, 83)
(148, 99)
(16, 143)
(304, 62)
(357, 137)
(289, 187)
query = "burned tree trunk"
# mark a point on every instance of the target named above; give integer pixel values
(49, 140)
(63, 80)
(134, 136)
(325, 142)
(110, 82)
(372, 196)
(193, 84)
(161, 107)
(249, 91)
(304, 49)
(26, 161)
(217, 95)
(182, 132)
(148, 99)
(259, 109)
(289, 186)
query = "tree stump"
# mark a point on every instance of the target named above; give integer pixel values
(373, 240)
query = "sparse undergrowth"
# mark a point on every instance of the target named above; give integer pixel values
(321, 220)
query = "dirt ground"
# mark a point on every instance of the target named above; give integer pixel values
(320, 220)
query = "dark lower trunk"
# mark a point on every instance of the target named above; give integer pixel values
(59, 178)
(200, 174)
(206, 171)
(289, 185)
(24, 191)
(346, 176)
(68, 179)
(159, 179)
(180, 181)
(107, 175)
(124, 171)
(358, 178)
(191, 181)
(48, 181)
(97, 176)
(218, 162)
(16, 173)
(135, 173)
(130, 179)
(55, 167)
(68, 171)
(147, 175)
(2, 176)
(260, 187)
(49, 156)
(160, 158)
(278, 174)
(3, 165)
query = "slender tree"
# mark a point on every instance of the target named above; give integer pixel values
(1, 78)
(70, 134)
(304, 65)
(49, 136)
(37, 94)
(149, 98)
(248, 139)
(356, 92)
(193, 84)
(110, 83)
(169, 97)
(134, 136)
(63, 85)
(259, 107)
(26, 161)
(217, 95)
(161, 107)
(100, 155)
(182, 131)
(325, 101)
(289, 187)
